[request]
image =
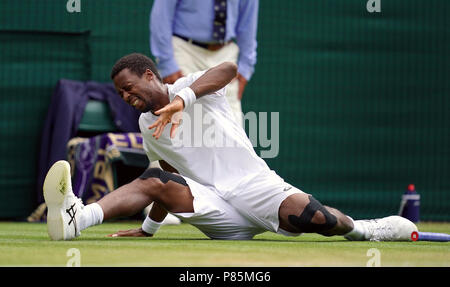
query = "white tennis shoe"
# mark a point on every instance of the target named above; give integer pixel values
(391, 228)
(64, 208)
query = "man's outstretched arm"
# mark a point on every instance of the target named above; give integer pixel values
(212, 80)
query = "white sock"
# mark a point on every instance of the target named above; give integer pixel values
(358, 232)
(92, 215)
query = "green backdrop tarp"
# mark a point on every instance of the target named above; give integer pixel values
(363, 98)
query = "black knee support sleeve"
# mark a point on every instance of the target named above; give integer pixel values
(303, 222)
(163, 175)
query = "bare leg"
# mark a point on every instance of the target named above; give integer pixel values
(135, 196)
(344, 225)
(322, 219)
(127, 200)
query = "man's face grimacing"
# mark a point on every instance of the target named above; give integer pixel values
(135, 90)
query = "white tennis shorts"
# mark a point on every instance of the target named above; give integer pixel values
(216, 218)
(259, 200)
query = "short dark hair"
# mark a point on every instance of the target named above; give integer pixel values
(136, 63)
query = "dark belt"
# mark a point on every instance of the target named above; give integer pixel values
(208, 46)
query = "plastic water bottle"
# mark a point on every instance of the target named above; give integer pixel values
(410, 204)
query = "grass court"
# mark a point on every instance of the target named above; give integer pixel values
(27, 244)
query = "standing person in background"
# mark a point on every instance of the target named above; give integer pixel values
(190, 36)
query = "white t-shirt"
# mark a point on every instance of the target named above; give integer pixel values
(209, 147)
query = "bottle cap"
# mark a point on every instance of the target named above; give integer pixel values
(411, 187)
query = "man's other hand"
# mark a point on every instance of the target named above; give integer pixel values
(137, 232)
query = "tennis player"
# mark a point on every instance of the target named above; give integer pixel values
(233, 172)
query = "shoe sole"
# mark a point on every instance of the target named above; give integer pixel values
(57, 187)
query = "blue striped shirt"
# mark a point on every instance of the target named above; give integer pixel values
(194, 19)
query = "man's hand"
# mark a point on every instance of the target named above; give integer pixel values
(242, 84)
(171, 113)
(170, 79)
(138, 232)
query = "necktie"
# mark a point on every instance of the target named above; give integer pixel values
(220, 16)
